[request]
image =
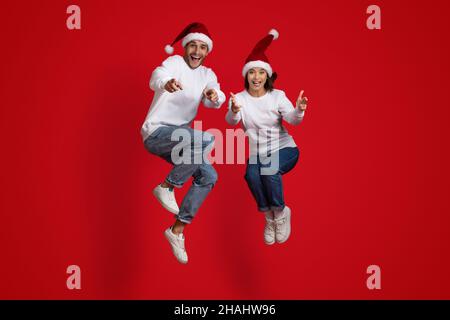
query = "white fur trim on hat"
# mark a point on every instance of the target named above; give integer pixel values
(198, 36)
(257, 64)
(275, 34)
(168, 49)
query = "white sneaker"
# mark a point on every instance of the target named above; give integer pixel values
(166, 198)
(269, 231)
(283, 226)
(177, 244)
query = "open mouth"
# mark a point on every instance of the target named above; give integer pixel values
(256, 83)
(196, 58)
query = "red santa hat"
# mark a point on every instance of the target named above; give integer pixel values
(257, 58)
(194, 31)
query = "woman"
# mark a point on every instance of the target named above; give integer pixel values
(273, 152)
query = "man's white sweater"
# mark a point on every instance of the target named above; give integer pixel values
(262, 120)
(179, 108)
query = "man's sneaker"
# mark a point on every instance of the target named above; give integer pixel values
(283, 226)
(167, 199)
(269, 231)
(177, 244)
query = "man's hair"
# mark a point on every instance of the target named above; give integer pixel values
(207, 48)
(269, 85)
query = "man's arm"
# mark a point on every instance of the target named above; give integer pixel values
(163, 74)
(213, 97)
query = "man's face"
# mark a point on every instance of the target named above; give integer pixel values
(195, 52)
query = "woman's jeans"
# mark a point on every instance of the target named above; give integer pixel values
(165, 143)
(267, 189)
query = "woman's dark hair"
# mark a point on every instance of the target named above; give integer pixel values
(269, 82)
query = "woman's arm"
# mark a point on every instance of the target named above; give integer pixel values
(233, 115)
(290, 114)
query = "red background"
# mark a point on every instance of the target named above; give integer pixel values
(371, 186)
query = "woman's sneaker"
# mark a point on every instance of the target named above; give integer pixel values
(167, 199)
(283, 226)
(177, 244)
(269, 231)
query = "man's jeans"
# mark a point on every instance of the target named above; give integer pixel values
(160, 143)
(268, 189)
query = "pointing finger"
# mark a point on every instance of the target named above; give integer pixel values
(301, 94)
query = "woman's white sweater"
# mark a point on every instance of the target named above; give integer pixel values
(262, 120)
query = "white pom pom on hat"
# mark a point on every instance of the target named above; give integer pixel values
(168, 49)
(274, 33)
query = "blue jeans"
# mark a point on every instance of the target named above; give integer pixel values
(268, 189)
(161, 143)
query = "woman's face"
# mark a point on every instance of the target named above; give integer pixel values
(256, 78)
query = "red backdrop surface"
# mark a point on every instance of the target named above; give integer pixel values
(371, 186)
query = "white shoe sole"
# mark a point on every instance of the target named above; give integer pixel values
(175, 212)
(288, 218)
(166, 234)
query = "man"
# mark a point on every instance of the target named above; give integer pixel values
(180, 84)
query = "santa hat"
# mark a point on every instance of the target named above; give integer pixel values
(257, 58)
(194, 31)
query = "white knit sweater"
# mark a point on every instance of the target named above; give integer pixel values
(262, 120)
(180, 107)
